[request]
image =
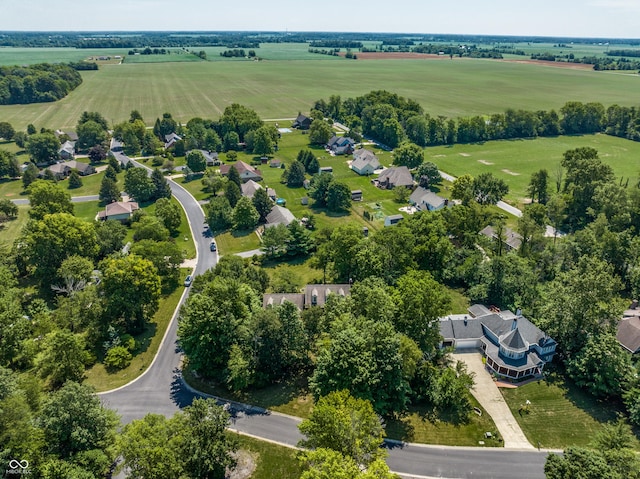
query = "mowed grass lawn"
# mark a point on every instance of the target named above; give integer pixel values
(233, 242)
(9, 230)
(515, 160)
(271, 460)
(281, 88)
(147, 344)
(561, 414)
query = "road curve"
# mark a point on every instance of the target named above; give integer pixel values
(162, 390)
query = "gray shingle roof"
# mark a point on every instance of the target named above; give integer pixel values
(279, 215)
(396, 176)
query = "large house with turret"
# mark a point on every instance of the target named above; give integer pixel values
(513, 346)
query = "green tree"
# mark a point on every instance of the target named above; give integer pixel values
(263, 140)
(63, 358)
(463, 189)
(245, 215)
(262, 203)
(285, 279)
(219, 213)
(6, 130)
(138, 184)
(74, 421)
(73, 274)
(230, 141)
(338, 196)
(319, 187)
(206, 449)
(320, 132)
(48, 198)
(131, 286)
(160, 185)
(234, 177)
(109, 191)
(420, 301)
(488, 190)
(166, 256)
(427, 175)
(401, 194)
(275, 240)
(90, 134)
(344, 424)
(74, 180)
(538, 187)
(364, 357)
(295, 174)
(169, 214)
(232, 193)
(97, 154)
(43, 148)
(409, 155)
(8, 210)
(9, 165)
(300, 242)
(149, 448)
(196, 161)
(151, 228)
(326, 463)
(602, 367)
(57, 236)
(580, 303)
(213, 320)
(30, 175)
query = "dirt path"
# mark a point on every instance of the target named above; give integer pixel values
(490, 398)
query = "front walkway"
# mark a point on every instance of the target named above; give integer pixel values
(490, 398)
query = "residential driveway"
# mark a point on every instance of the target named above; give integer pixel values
(490, 398)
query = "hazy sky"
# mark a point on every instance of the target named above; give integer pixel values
(580, 18)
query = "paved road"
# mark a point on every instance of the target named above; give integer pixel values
(161, 390)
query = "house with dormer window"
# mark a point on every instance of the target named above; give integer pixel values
(513, 346)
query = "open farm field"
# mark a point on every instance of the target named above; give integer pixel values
(29, 56)
(515, 160)
(279, 89)
(174, 55)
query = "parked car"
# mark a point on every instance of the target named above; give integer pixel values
(213, 246)
(188, 280)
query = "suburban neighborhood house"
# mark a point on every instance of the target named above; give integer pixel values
(628, 333)
(68, 150)
(301, 122)
(170, 140)
(513, 346)
(511, 239)
(341, 145)
(314, 295)
(118, 210)
(210, 157)
(63, 169)
(279, 215)
(364, 162)
(249, 189)
(246, 171)
(394, 176)
(426, 200)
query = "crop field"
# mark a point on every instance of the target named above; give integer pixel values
(29, 56)
(515, 160)
(174, 55)
(279, 89)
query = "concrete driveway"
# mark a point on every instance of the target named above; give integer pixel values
(490, 398)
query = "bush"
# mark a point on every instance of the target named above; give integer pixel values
(117, 357)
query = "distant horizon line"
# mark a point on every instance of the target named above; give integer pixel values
(290, 32)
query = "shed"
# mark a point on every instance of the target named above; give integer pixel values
(393, 220)
(356, 195)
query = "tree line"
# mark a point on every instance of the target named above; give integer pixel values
(37, 83)
(391, 119)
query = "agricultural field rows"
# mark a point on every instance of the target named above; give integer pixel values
(280, 89)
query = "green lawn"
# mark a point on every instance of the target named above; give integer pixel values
(12, 189)
(280, 88)
(183, 236)
(418, 427)
(194, 187)
(232, 242)
(10, 230)
(271, 459)
(87, 210)
(515, 160)
(298, 266)
(148, 343)
(561, 414)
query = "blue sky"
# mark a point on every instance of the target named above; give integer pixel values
(580, 18)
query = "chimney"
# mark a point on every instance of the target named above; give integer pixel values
(519, 312)
(465, 320)
(514, 324)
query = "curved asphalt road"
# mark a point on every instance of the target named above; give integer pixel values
(161, 390)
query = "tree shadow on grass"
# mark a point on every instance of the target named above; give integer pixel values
(143, 340)
(400, 429)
